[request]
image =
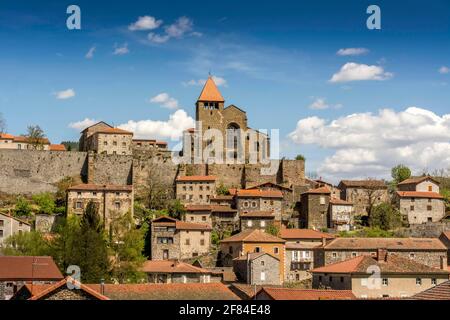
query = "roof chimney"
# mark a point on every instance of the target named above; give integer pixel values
(102, 286)
(382, 254)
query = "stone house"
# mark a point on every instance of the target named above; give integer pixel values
(258, 269)
(174, 271)
(428, 251)
(396, 276)
(314, 208)
(112, 201)
(18, 270)
(172, 239)
(419, 201)
(198, 213)
(8, 141)
(149, 145)
(10, 226)
(251, 200)
(195, 189)
(218, 216)
(288, 195)
(445, 239)
(256, 220)
(301, 247)
(438, 292)
(252, 241)
(223, 200)
(340, 215)
(335, 191)
(364, 194)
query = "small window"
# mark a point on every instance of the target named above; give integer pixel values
(79, 194)
(263, 276)
(117, 205)
(263, 223)
(254, 204)
(1, 233)
(114, 143)
(411, 208)
(262, 263)
(249, 223)
(419, 281)
(230, 250)
(79, 205)
(429, 208)
(2, 223)
(94, 193)
(257, 249)
(203, 218)
(412, 255)
(354, 254)
(322, 200)
(430, 188)
(187, 242)
(433, 282)
(276, 250)
(385, 282)
(334, 254)
(202, 242)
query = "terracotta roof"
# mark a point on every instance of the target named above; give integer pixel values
(95, 124)
(24, 139)
(197, 178)
(100, 187)
(161, 142)
(446, 234)
(57, 147)
(244, 193)
(181, 225)
(303, 245)
(307, 294)
(309, 234)
(28, 268)
(321, 190)
(6, 136)
(167, 266)
(257, 214)
(439, 292)
(14, 218)
(198, 207)
(113, 131)
(250, 235)
(222, 208)
(364, 183)
(419, 194)
(417, 180)
(210, 92)
(52, 288)
(341, 202)
(222, 198)
(416, 244)
(392, 265)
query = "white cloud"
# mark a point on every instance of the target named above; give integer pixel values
(200, 82)
(321, 104)
(65, 94)
(145, 23)
(352, 51)
(359, 72)
(121, 50)
(83, 124)
(90, 53)
(367, 144)
(444, 70)
(171, 129)
(177, 30)
(165, 100)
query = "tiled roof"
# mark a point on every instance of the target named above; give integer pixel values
(341, 202)
(14, 218)
(168, 266)
(309, 234)
(417, 180)
(244, 193)
(57, 147)
(364, 183)
(307, 294)
(385, 243)
(101, 187)
(181, 225)
(303, 245)
(222, 198)
(6, 136)
(321, 190)
(95, 124)
(210, 92)
(198, 207)
(392, 265)
(24, 139)
(439, 292)
(250, 235)
(52, 288)
(197, 178)
(28, 268)
(257, 214)
(222, 208)
(419, 194)
(113, 131)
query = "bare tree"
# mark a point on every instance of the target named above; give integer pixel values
(2, 124)
(156, 191)
(35, 137)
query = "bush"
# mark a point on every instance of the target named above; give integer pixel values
(300, 157)
(222, 190)
(22, 208)
(46, 202)
(385, 217)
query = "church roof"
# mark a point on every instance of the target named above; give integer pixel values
(210, 92)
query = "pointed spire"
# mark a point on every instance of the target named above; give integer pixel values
(210, 92)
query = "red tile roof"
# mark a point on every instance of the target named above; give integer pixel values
(168, 266)
(321, 190)
(210, 92)
(419, 194)
(28, 268)
(257, 214)
(101, 187)
(6, 136)
(252, 193)
(222, 208)
(222, 198)
(113, 131)
(255, 236)
(415, 244)
(196, 178)
(198, 207)
(24, 139)
(307, 294)
(53, 288)
(308, 234)
(57, 147)
(181, 225)
(439, 292)
(418, 180)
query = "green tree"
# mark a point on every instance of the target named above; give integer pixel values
(400, 173)
(64, 242)
(22, 207)
(45, 202)
(35, 137)
(176, 209)
(300, 157)
(385, 217)
(273, 230)
(26, 244)
(91, 219)
(222, 190)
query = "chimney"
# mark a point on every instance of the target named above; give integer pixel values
(102, 286)
(324, 241)
(382, 254)
(444, 264)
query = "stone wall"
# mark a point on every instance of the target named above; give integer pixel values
(110, 169)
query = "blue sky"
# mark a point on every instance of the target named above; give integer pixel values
(275, 59)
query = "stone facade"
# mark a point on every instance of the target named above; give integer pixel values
(258, 269)
(46, 223)
(314, 209)
(10, 226)
(8, 141)
(195, 189)
(248, 201)
(340, 215)
(257, 220)
(364, 194)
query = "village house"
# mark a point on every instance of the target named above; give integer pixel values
(10, 226)
(288, 197)
(174, 271)
(8, 141)
(172, 239)
(103, 138)
(364, 194)
(17, 271)
(253, 241)
(198, 213)
(195, 189)
(335, 191)
(438, 292)
(219, 216)
(314, 208)
(301, 245)
(223, 200)
(256, 220)
(258, 268)
(340, 215)
(396, 276)
(419, 201)
(267, 293)
(112, 201)
(445, 239)
(428, 251)
(148, 145)
(252, 200)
